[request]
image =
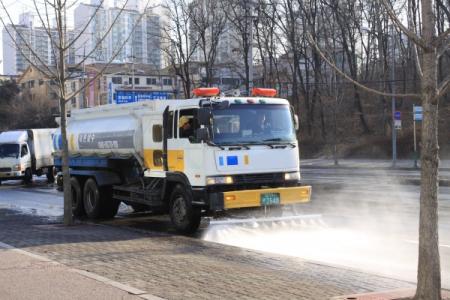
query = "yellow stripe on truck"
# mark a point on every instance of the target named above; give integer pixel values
(252, 198)
(175, 159)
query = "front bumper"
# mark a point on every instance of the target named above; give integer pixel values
(252, 198)
(220, 201)
(11, 175)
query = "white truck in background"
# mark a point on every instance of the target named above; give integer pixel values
(26, 152)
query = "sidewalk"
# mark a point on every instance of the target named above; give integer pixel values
(27, 276)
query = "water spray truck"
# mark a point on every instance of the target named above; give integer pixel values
(210, 157)
(26, 152)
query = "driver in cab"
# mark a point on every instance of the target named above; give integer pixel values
(261, 125)
(186, 128)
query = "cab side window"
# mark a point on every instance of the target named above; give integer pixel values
(23, 150)
(187, 124)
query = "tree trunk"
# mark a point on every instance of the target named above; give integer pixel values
(429, 272)
(68, 218)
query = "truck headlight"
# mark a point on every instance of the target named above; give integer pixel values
(219, 180)
(292, 176)
(16, 168)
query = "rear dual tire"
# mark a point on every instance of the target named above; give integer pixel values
(92, 201)
(98, 202)
(77, 198)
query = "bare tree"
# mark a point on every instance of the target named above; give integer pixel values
(208, 22)
(180, 43)
(240, 14)
(60, 50)
(266, 32)
(431, 47)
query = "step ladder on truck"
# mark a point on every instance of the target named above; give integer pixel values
(208, 157)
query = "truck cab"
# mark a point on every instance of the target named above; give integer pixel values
(15, 156)
(238, 153)
(22, 154)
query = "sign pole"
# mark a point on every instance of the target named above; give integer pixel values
(417, 116)
(394, 130)
(415, 145)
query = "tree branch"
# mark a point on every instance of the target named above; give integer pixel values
(46, 26)
(443, 87)
(442, 39)
(340, 72)
(412, 35)
(70, 44)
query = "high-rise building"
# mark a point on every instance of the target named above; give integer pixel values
(120, 36)
(17, 41)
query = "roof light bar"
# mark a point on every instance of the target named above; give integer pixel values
(206, 92)
(261, 92)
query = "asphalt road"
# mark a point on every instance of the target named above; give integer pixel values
(369, 221)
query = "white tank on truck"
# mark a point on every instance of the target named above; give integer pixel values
(26, 152)
(110, 132)
(209, 156)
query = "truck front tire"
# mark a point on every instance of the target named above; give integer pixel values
(77, 198)
(183, 215)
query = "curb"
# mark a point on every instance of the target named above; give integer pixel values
(401, 181)
(342, 167)
(129, 289)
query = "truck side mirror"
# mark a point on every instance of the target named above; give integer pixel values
(202, 134)
(204, 116)
(296, 123)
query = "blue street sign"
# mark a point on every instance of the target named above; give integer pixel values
(417, 113)
(122, 97)
(397, 115)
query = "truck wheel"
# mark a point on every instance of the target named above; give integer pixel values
(184, 217)
(92, 199)
(77, 198)
(50, 175)
(109, 206)
(28, 176)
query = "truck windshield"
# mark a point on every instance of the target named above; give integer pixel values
(9, 150)
(253, 124)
